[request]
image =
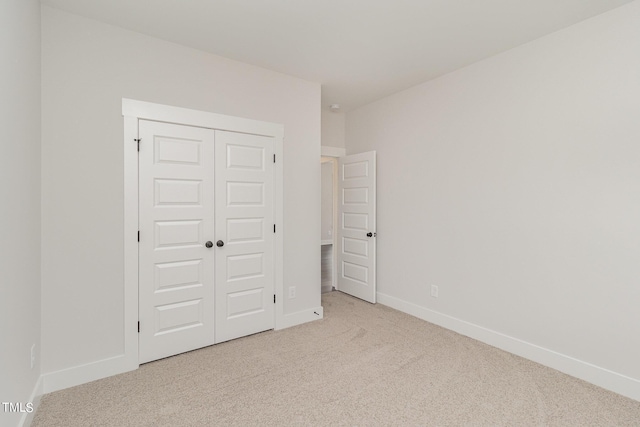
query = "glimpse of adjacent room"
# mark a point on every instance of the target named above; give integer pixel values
(327, 237)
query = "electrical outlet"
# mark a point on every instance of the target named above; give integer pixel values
(434, 291)
(292, 291)
(33, 356)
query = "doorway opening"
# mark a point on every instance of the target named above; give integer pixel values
(183, 182)
(329, 217)
(348, 223)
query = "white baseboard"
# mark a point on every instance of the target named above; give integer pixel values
(97, 370)
(618, 383)
(77, 375)
(301, 317)
(36, 395)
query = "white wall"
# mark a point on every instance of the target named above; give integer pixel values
(513, 185)
(20, 200)
(88, 67)
(333, 128)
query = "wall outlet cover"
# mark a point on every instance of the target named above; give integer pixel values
(434, 291)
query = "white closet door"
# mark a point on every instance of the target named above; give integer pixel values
(176, 219)
(245, 242)
(357, 225)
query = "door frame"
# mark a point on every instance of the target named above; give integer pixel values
(133, 111)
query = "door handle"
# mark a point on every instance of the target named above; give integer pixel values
(209, 244)
(369, 234)
(219, 243)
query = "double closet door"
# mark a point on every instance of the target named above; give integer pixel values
(206, 244)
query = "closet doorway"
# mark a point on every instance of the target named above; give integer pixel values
(203, 193)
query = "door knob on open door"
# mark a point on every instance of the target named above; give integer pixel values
(209, 244)
(369, 234)
(219, 243)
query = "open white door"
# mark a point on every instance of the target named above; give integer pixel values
(357, 225)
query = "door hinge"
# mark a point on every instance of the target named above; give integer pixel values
(274, 158)
(138, 327)
(138, 235)
(137, 140)
(274, 298)
(274, 228)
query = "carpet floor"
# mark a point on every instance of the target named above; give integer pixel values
(362, 365)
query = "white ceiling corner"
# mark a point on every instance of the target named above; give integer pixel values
(360, 50)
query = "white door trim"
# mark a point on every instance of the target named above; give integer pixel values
(133, 111)
(326, 151)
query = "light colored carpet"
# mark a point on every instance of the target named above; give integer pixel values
(361, 365)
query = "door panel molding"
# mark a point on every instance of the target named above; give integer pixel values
(175, 222)
(356, 228)
(244, 267)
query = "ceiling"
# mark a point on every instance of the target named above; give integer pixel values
(360, 50)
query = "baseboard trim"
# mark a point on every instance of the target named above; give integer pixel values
(36, 396)
(82, 374)
(593, 374)
(70, 377)
(301, 317)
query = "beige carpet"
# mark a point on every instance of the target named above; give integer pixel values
(361, 365)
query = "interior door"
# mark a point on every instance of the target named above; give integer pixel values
(245, 241)
(357, 225)
(176, 219)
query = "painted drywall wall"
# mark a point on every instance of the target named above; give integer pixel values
(512, 185)
(333, 128)
(20, 195)
(88, 67)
